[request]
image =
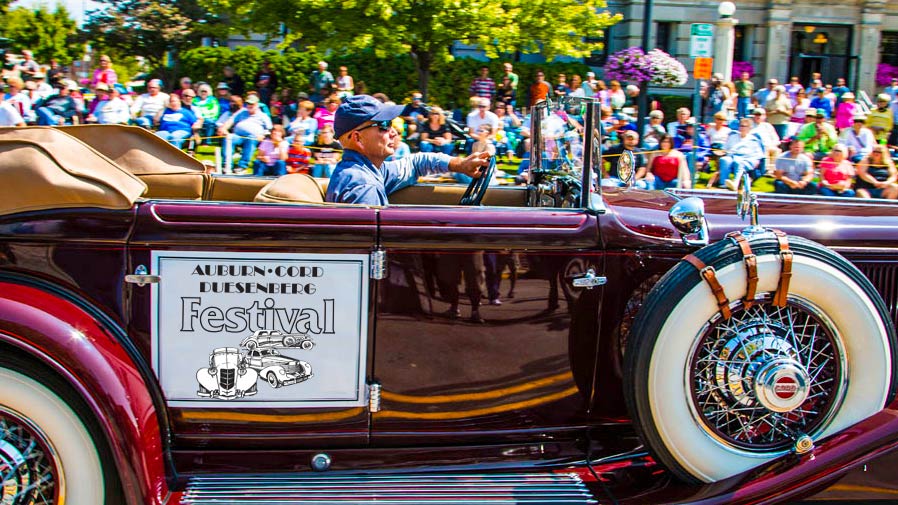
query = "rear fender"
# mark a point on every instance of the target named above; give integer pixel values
(77, 346)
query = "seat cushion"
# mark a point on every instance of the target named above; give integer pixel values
(291, 188)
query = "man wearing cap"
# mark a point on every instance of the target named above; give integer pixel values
(58, 109)
(250, 125)
(110, 110)
(363, 126)
(590, 85)
(881, 119)
(820, 102)
(819, 137)
(147, 105)
(858, 138)
(42, 89)
(764, 93)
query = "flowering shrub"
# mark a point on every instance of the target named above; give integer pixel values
(885, 73)
(629, 65)
(666, 70)
(742, 66)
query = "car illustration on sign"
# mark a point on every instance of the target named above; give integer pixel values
(227, 376)
(277, 369)
(274, 338)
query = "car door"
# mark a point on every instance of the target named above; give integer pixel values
(521, 368)
(224, 271)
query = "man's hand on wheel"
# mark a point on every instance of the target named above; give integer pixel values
(471, 165)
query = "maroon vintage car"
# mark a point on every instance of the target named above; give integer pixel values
(626, 348)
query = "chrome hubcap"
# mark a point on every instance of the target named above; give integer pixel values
(767, 376)
(27, 462)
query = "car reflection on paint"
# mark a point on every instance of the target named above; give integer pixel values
(277, 369)
(274, 338)
(227, 377)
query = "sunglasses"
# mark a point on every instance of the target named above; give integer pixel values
(384, 125)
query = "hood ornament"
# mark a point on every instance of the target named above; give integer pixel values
(747, 203)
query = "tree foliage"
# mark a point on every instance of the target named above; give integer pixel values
(47, 34)
(426, 29)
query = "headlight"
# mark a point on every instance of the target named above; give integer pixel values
(241, 371)
(213, 370)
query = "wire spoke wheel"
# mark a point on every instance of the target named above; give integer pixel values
(28, 463)
(768, 375)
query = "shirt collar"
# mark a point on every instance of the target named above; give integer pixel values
(358, 158)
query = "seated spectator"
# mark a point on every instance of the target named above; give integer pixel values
(510, 122)
(435, 135)
(669, 166)
(821, 103)
(326, 153)
(304, 126)
(176, 122)
(483, 140)
(271, 157)
(794, 172)
(147, 106)
(298, 156)
(59, 109)
(250, 126)
(718, 133)
(881, 119)
(223, 95)
(19, 98)
(690, 139)
(629, 141)
(858, 138)
(846, 111)
(414, 111)
(653, 130)
(675, 127)
(400, 151)
(207, 107)
(746, 155)
(819, 137)
(9, 116)
(41, 88)
(325, 115)
(877, 176)
(481, 115)
(111, 110)
(836, 173)
(235, 105)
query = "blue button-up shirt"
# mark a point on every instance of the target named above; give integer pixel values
(357, 180)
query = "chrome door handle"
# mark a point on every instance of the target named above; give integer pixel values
(589, 280)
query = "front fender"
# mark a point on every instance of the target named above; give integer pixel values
(74, 344)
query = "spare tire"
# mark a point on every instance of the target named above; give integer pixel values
(714, 397)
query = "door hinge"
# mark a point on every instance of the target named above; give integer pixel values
(378, 264)
(141, 277)
(374, 389)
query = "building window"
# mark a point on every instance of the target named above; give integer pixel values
(598, 58)
(742, 48)
(664, 36)
(888, 48)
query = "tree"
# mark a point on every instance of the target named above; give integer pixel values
(47, 34)
(427, 29)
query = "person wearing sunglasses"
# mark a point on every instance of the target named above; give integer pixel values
(363, 125)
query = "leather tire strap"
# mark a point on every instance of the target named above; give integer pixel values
(710, 275)
(751, 267)
(782, 289)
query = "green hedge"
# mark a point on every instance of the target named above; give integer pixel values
(395, 76)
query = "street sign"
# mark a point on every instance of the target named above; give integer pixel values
(701, 40)
(702, 68)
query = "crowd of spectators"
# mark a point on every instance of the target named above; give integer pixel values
(812, 138)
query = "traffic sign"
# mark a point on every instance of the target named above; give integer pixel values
(702, 69)
(701, 40)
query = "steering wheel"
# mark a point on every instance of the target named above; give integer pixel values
(477, 188)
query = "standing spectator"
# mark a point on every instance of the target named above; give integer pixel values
(435, 136)
(326, 152)
(250, 126)
(266, 82)
(881, 119)
(892, 90)
(148, 105)
(744, 91)
(800, 109)
(821, 103)
(845, 111)
(506, 92)
(321, 83)
(831, 96)
(9, 116)
(271, 157)
(305, 126)
(27, 67)
(716, 97)
(223, 95)
(539, 90)
(616, 96)
(819, 137)
(483, 86)
(590, 85)
(176, 122)
(345, 84)
(113, 110)
(20, 99)
(602, 94)
(207, 107)
(840, 89)
(55, 73)
(184, 84)
(730, 103)
(298, 157)
(836, 173)
(59, 109)
(512, 77)
(779, 111)
(104, 73)
(561, 87)
(859, 139)
(877, 176)
(669, 167)
(234, 81)
(325, 115)
(793, 88)
(816, 82)
(794, 172)
(654, 130)
(41, 88)
(760, 98)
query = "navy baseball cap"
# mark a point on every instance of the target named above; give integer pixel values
(360, 108)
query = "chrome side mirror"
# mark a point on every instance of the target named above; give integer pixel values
(688, 217)
(626, 167)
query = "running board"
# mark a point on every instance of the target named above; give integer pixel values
(404, 489)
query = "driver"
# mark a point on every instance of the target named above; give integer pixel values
(363, 126)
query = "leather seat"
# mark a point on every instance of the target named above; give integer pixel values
(291, 188)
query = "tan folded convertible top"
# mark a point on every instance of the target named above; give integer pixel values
(45, 168)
